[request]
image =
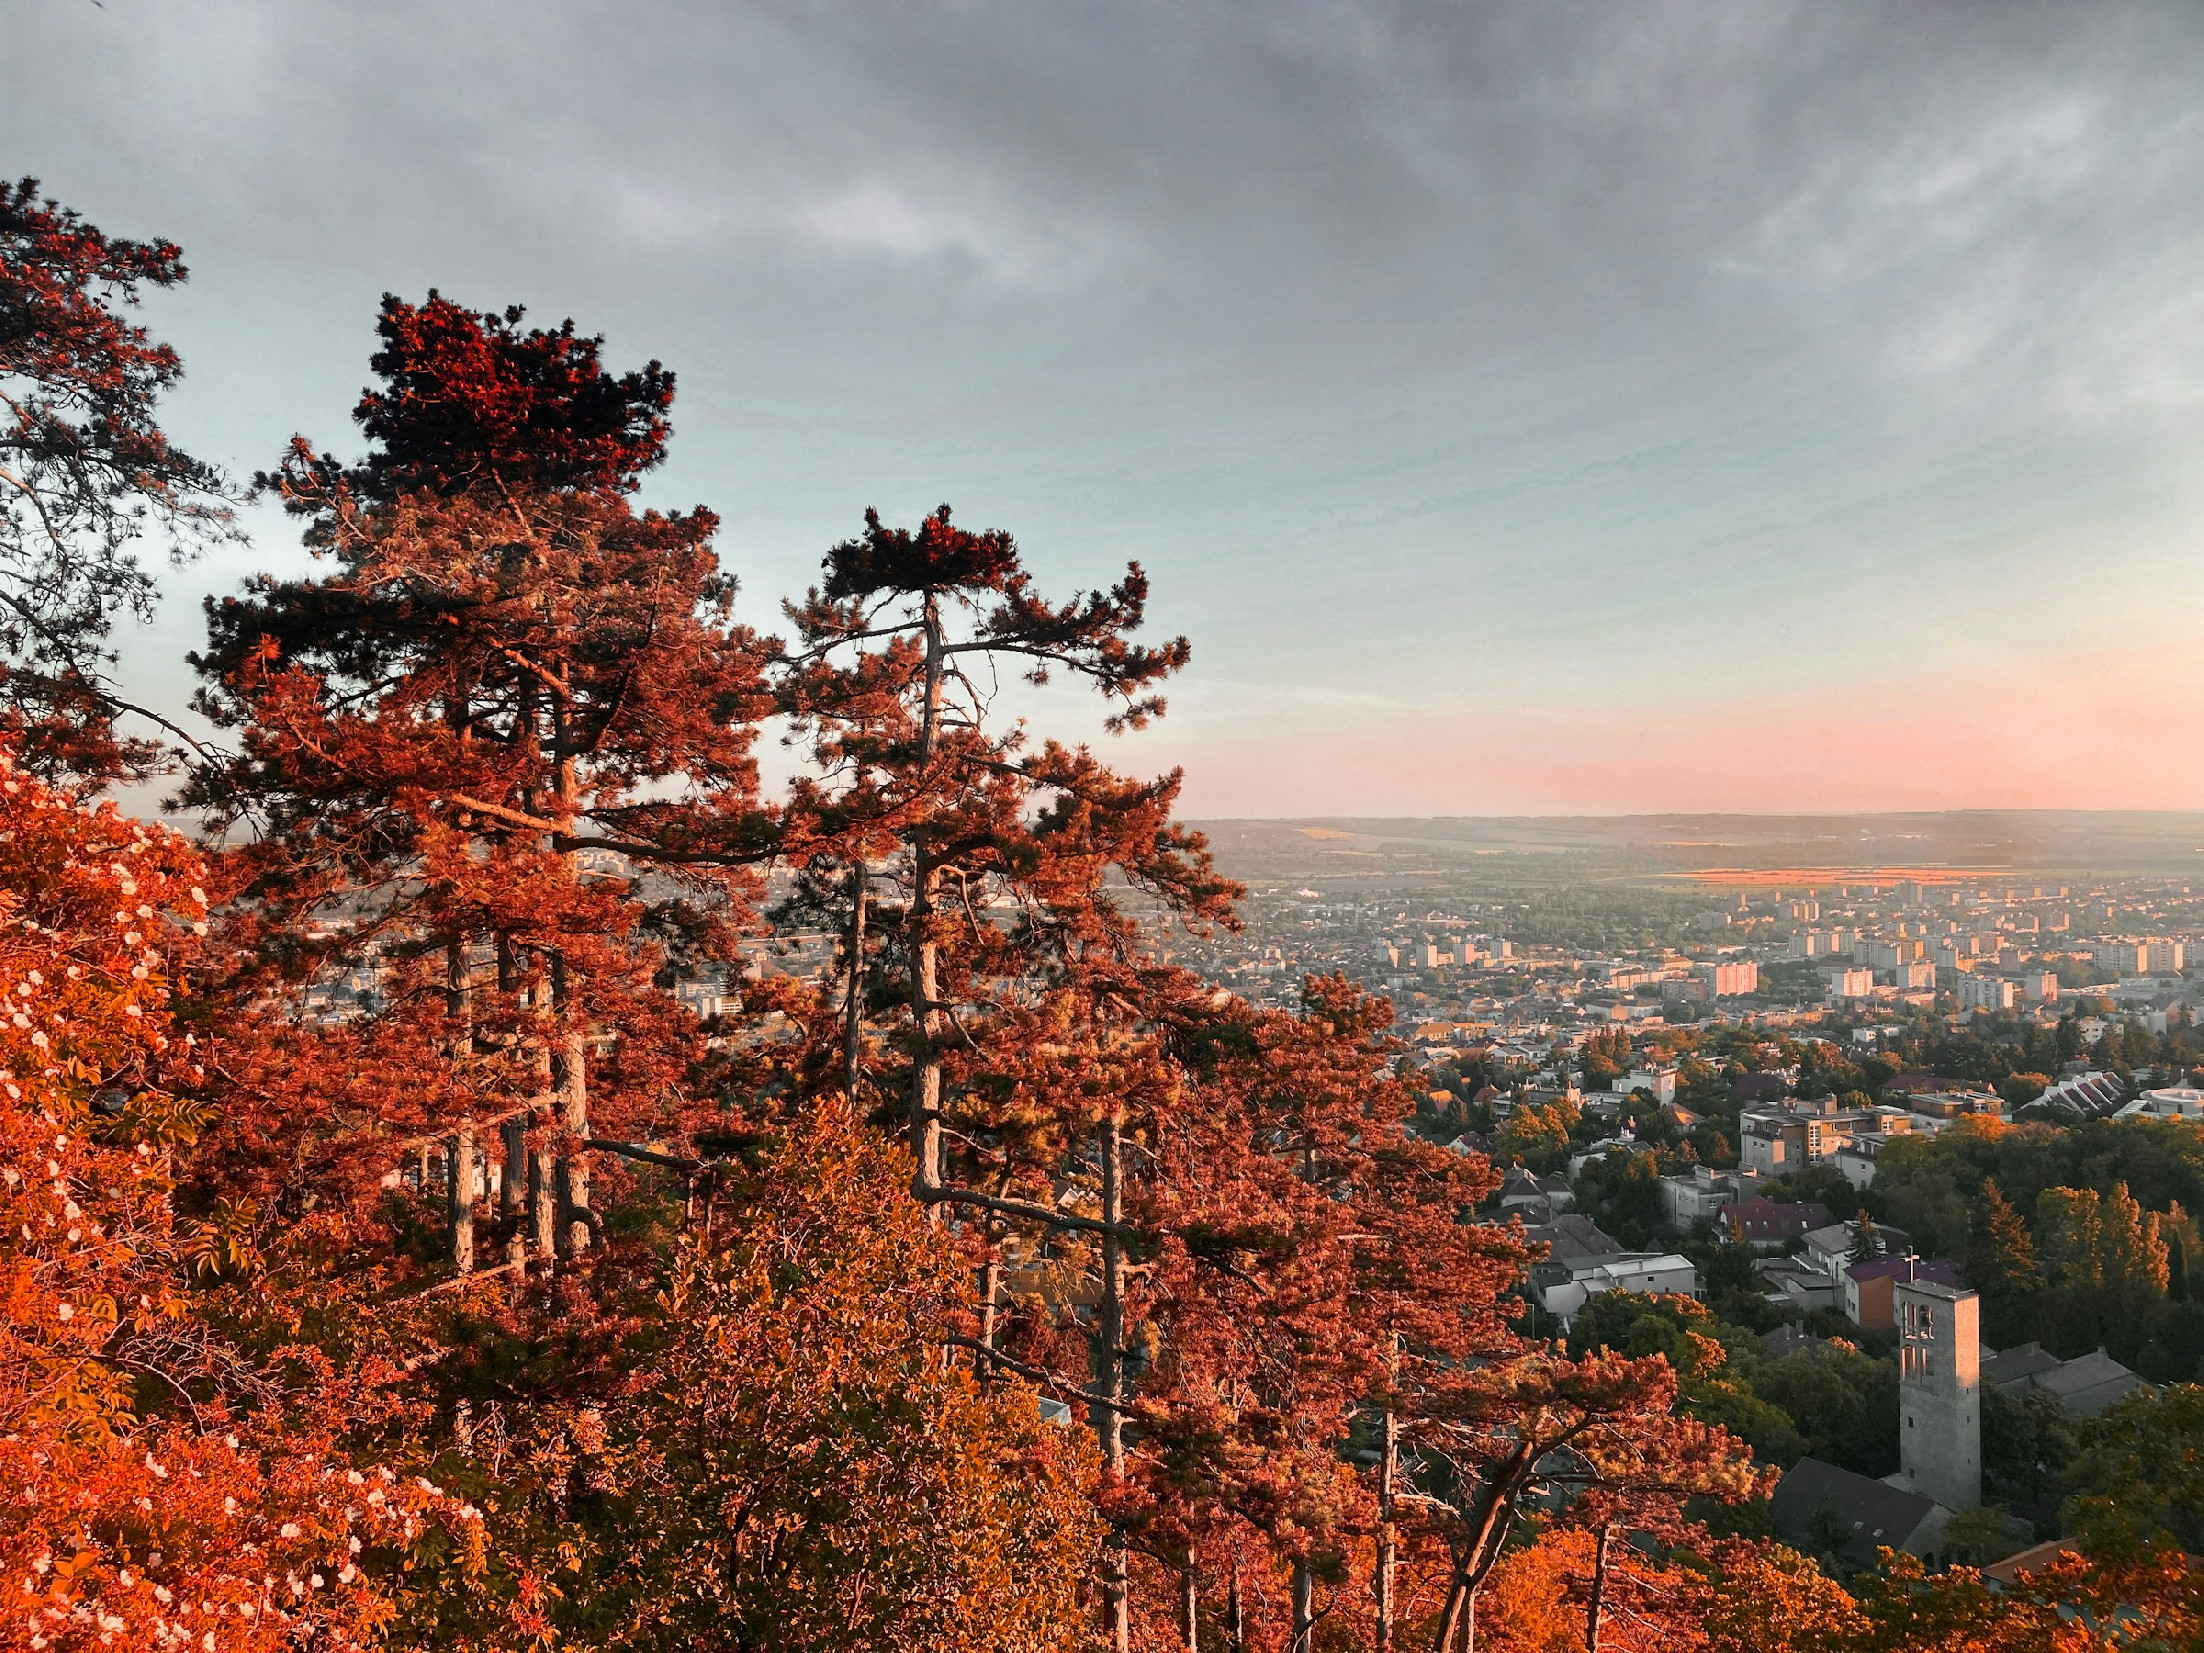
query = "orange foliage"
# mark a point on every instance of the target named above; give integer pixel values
(195, 1528)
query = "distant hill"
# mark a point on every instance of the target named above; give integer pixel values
(1986, 842)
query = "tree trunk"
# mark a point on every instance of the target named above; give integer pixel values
(1599, 1589)
(991, 1282)
(1304, 1609)
(459, 1193)
(512, 1189)
(1388, 1540)
(1190, 1603)
(460, 1206)
(1494, 1509)
(570, 1085)
(924, 946)
(1109, 1420)
(570, 1056)
(853, 1010)
(1235, 1610)
(512, 1182)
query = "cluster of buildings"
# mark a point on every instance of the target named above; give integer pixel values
(1770, 957)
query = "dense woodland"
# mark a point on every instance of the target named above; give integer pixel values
(1002, 1287)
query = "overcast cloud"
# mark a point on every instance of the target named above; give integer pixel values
(1539, 406)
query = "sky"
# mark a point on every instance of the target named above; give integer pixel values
(1524, 408)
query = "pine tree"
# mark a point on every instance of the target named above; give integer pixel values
(458, 747)
(1867, 1244)
(2002, 1266)
(86, 473)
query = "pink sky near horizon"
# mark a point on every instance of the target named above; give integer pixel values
(2098, 729)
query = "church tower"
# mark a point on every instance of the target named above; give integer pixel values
(1939, 1392)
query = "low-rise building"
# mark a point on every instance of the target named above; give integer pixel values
(1798, 1286)
(2085, 1096)
(1815, 1499)
(1702, 1192)
(1955, 1103)
(2083, 1387)
(1830, 1249)
(1663, 1274)
(2177, 1102)
(1660, 1081)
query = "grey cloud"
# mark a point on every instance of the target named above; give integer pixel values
(1372, 327)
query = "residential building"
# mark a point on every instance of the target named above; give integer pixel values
(1702, 1192)
(2149, 956)
(1729, 979)
(1771, 1142)
(1988, 993)
(1660, 1081)
(1830, 1249)
(1656, 1273)
(1798, 1286)
(1850, 982)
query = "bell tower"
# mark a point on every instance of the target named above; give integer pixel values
(1939, 1392)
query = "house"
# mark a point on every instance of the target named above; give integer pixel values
(1702, 1192)
(1830, 1249)
(1855, 1161)
(1816, 1503)
(1660, 1081)
(1867, 1286)
(1620, 1143)
(2034, 1558)
(1521, 1190)
(2083, 1386)
(1761, 1221)
(1569, 1240)
(1662, 1274)
(1798, 1287)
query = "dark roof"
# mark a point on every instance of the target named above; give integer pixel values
(1752, 1086)
(2083, 1387)
(2013, 1364)
(1763, 1218)
(1870, 1513)
(1570, 1236)
(1790, 1340)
